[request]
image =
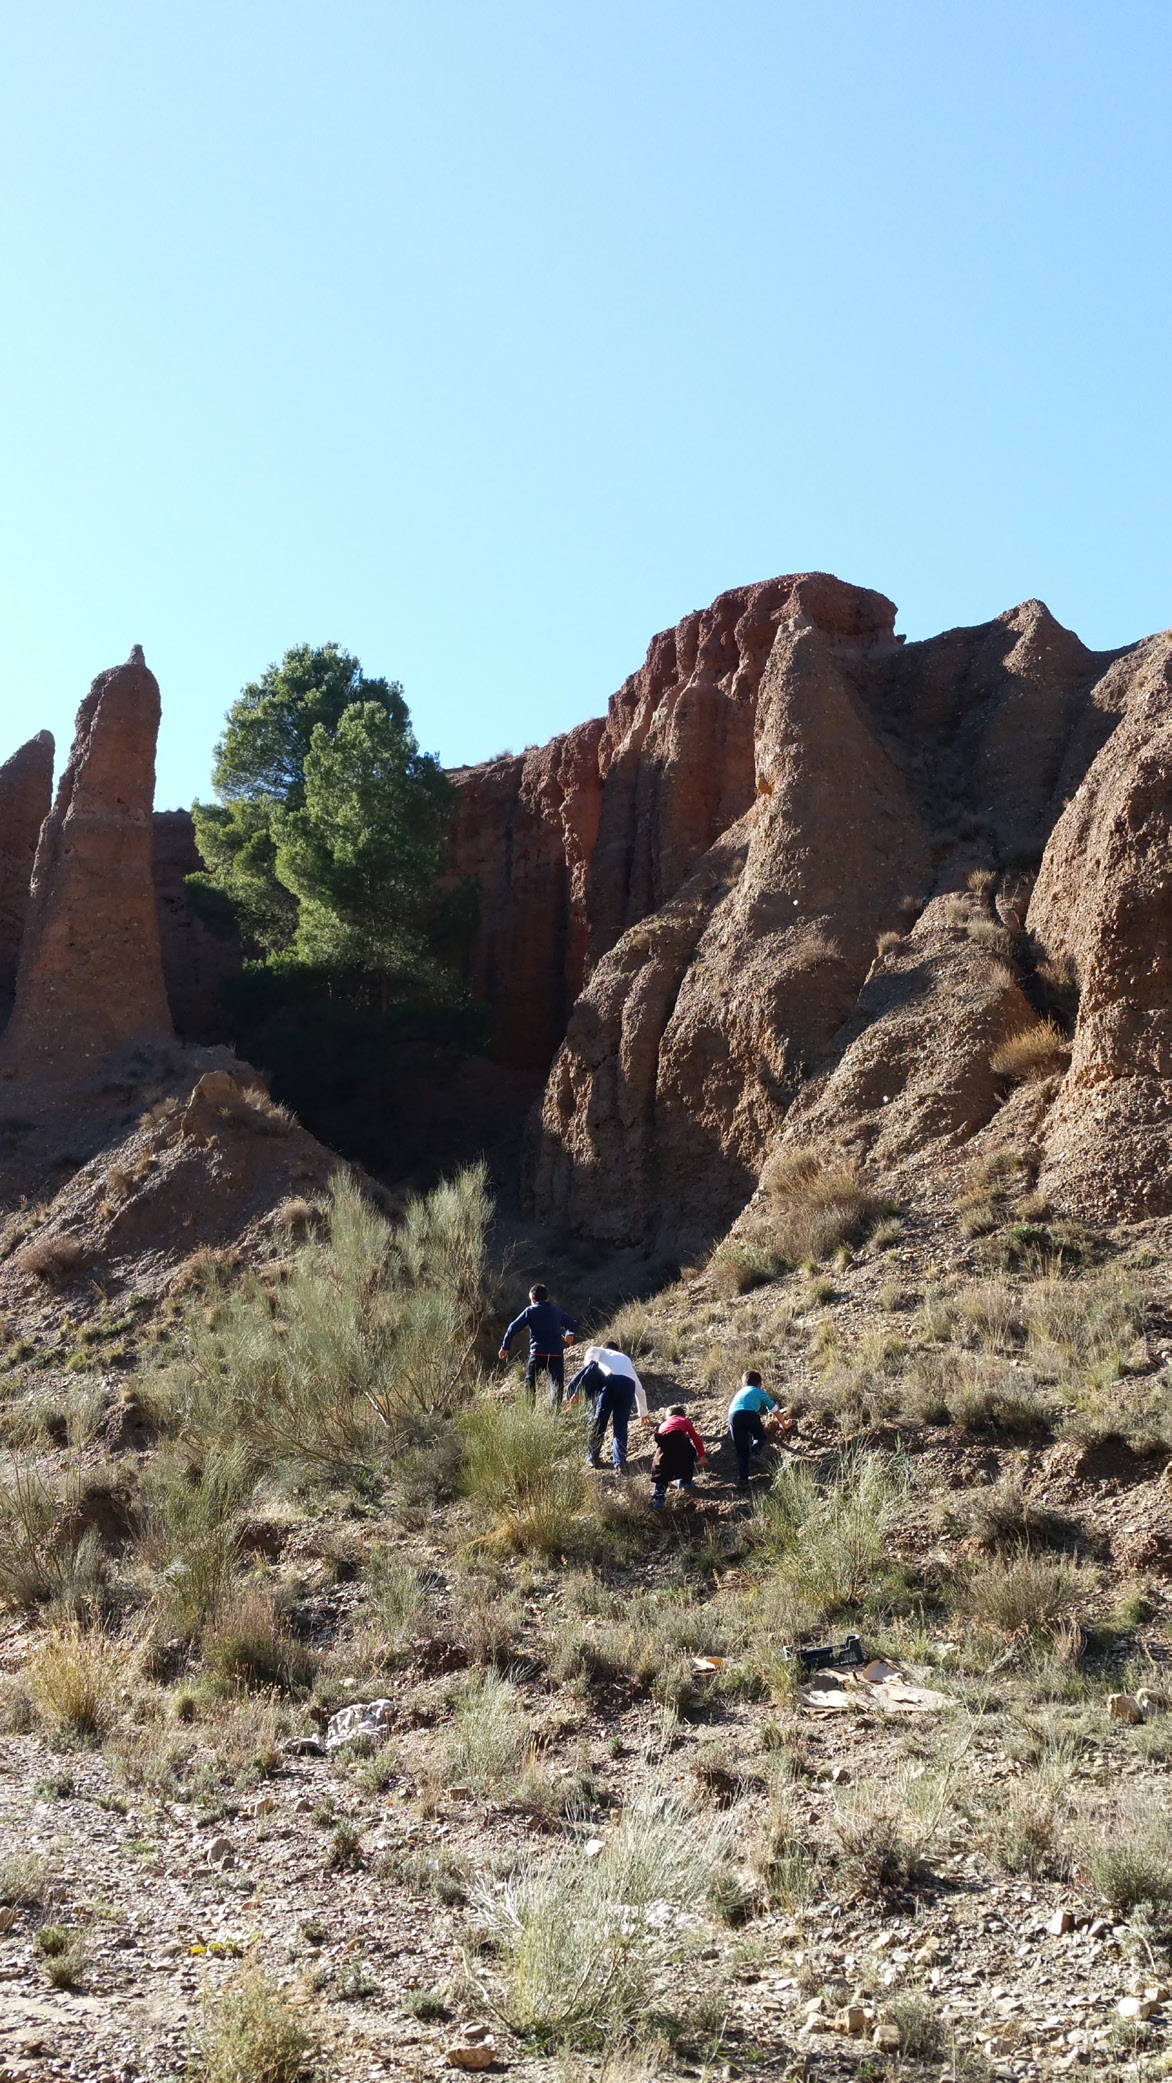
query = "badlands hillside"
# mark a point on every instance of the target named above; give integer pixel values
(350, 1725)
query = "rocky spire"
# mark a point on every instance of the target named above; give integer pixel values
(90, 978)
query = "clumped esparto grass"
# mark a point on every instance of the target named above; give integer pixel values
(831, 1541)
(523, 1471)
(46, 1552)
(490, 1739)
(810, 1207)
(1036, 1051)
(581, 1940)
(77, 1676)
(249, 1647)
(1023, 1595)
(252, 2034)
(1130, 1856)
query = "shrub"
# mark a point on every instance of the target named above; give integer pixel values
(887, 944)
(1130, 1859)
(46, 1549)
(831, 1544)
(1036, 1051)
(876, 1853)
(584, 1939)
(523, 1470)
(1026, 1826)
(251, 2034)
(372, 1329)
(994, 938)
(65, 1955)
(636, 1330)
(1002, 1517)
(992, 1189)
(813, 1207)
(922, 2033)
(248, 1647)
(397, 1595)
(997, 1400)
(77, 1677)
(1022, 1595)
(191, 1538)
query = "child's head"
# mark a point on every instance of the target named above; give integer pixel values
(539, 1292)
(751, 1379)
(677, 1411)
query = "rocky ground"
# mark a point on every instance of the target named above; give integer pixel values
(925, 1894)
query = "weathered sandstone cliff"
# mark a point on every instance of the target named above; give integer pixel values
(26, 790)
(704, 880)
(196, 964)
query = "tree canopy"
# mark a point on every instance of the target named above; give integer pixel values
(328, 834)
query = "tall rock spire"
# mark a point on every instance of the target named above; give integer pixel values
(26, 791)
(90, 978)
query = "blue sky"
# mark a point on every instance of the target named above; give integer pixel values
(488, 340)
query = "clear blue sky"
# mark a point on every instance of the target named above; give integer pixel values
(489, 339)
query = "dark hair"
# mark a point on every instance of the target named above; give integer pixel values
(677, 1411)
(539, 1293)
(752, 1378)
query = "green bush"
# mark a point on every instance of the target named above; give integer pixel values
(831, 1542)
(523, 1471)
(372, 1330)
(252, 2035)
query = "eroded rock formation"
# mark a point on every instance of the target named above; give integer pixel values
(26, 791)
(783, 785)
(90, 977)
(196, 964)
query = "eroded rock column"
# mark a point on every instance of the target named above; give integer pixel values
(90, 976)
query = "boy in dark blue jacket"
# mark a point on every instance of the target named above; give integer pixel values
(550, 1331)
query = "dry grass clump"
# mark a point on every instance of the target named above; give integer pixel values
(879, 1849)
(190, 1544)
(249, 1647)
(810, 1209)
(77, 1677)
(887, 944)
(1001, 1517)
(994, 1189)
(1023, 1595)
(637, 1330)
(55, 1260)
(47, 1550)
(996, 940)
(985, 1398)
(1130, 1857)
(582, 1941)
(1036, 1051)
(810, 947)
(251, 2034)
(1026, 1830)
(491, 1739)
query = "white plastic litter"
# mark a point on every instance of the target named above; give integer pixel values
(365, 1718)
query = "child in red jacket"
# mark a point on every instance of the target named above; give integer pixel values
(678, 1447)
